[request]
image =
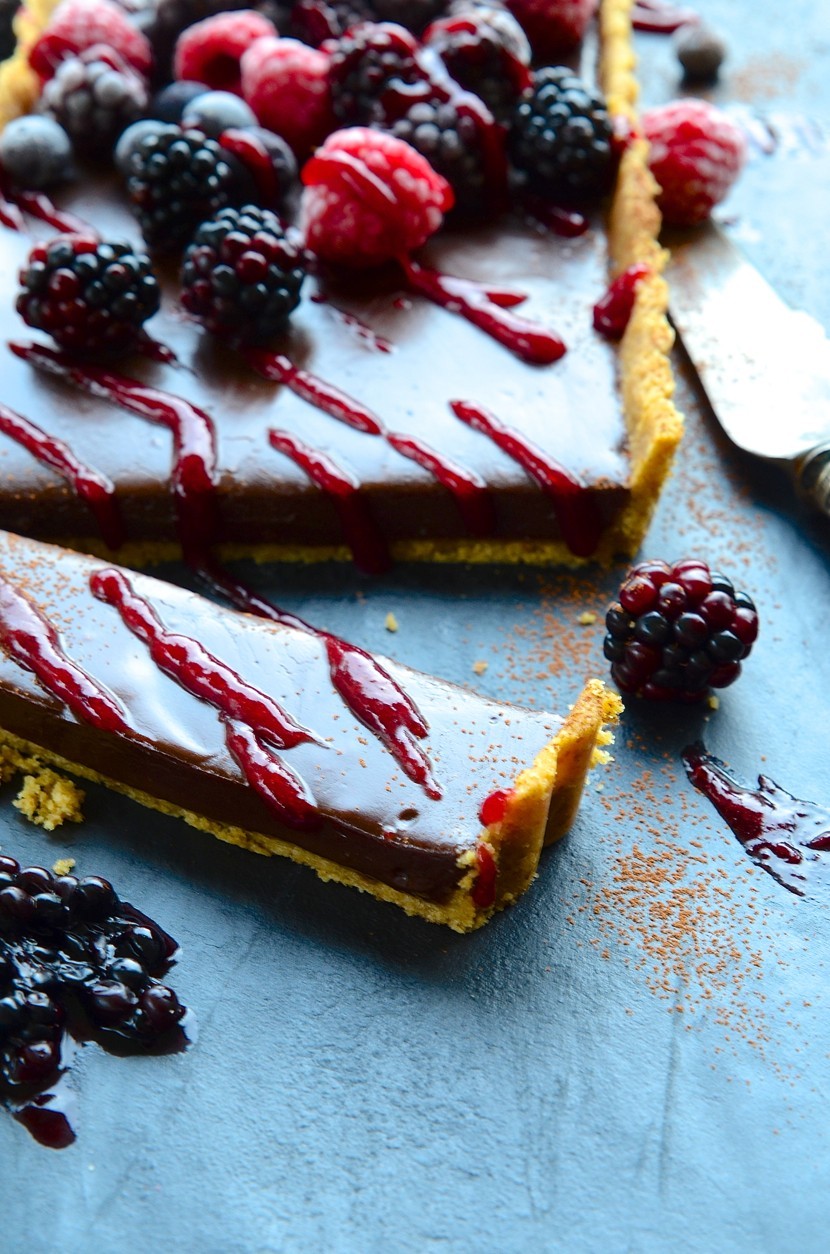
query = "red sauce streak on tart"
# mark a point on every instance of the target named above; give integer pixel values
(657, 17)
(494, 807)
(277, 368)
(362, 534)
(780, 833)
(528, 340)
(33, 642)
(613, 310)
(194, 476)
(39, 206)
(576, 512)
(252, 720)
(253, 154)
(470, 491)
(93, 487)
(484, 888)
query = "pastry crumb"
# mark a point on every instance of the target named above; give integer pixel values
(599, 787)
(480, 667)
(63, 866)
(49, 799)
(713, 702)
(587, 618)
(390, 622)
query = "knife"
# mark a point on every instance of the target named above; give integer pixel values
(764, 366)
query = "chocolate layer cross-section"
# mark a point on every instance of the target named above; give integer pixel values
(415, 790)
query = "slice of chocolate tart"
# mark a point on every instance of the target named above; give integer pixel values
(283, 739)
(381, 423)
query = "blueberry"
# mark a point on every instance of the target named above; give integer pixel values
(700, 50)
(169, 104)
(218, 111)
(35, 152)
(130, 139)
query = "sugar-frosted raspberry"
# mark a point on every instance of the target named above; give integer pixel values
(487, 52)
(210, 51)
(696, 154)
(369, 198)
(553, 26)
(287, 86)
(80, 24)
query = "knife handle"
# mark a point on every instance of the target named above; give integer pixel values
(812, 474)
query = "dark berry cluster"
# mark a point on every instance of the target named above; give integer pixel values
(561, 137)
(94, 96)
(678, 631)
(486, 52)
(74, 960)
(178, 177)
(90, 295)
(373, 62)
(241, 275)
(455, 141)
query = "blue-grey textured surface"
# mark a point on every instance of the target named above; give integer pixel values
(633, 1059)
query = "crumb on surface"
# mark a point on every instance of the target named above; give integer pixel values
(479, 667)
(49, 799)
(63, 866)
(713, 702)
(390, 622)
(587, 618)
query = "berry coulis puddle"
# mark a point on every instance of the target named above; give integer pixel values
(76, 964)
(787, 837)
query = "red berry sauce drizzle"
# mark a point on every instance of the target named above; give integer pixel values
(254, 723)
(575, 510)
(785, 836)
(343, 490)
(659, 17)
(367, 689)
(37, 205)
(253, 154)
(528, 340)
(613, 311)
(76, 964)
(94, 488)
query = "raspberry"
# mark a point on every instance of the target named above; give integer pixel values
(553, 27)
(241, 277)
(485, 51)
(210, 51)
(696, 154)
(457, 136)
(678, 631)
(80, 24)
(369, 198)
(562, 136)
(287, 86)
(94, 96)
(176, 179)
(91, 296)
(162, 21)
(372, 62)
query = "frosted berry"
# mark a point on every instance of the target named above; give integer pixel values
(678, 631)
(35, 151)
(369, 198)
(562, 138)
(241, 275)
(169, 104)
(95, 96)
(287, 86)
(90, 295)
(79, 24)
(211, 50)
(697, 152)
(554, 27)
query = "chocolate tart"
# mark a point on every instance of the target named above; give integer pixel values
(602, 413)
(242, 728)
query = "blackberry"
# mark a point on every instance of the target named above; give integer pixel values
(74, 961)
(94, 96)
(241, 275)
(453, 140)
(486, 51)
(561, 137)
(374, 69)
(678, 631)
(315, 21)
(177, 178)
(90, 295)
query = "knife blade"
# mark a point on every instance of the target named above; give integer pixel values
(764, 366)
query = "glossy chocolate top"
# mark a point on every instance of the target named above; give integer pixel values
(398, 353)
(151, 731)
